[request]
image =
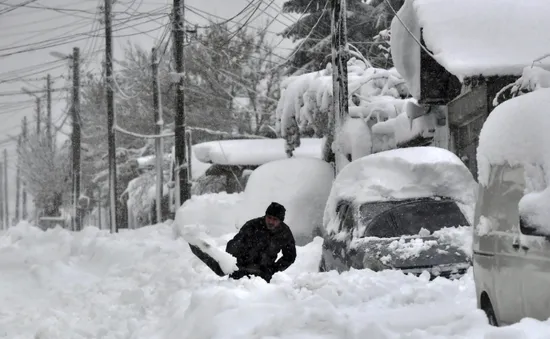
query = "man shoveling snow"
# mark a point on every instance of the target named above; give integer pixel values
(255, 247)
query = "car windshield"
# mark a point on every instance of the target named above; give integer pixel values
(408, 217)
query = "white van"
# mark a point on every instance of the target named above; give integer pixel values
(511, 243)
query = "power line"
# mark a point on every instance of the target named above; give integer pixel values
(12, 93)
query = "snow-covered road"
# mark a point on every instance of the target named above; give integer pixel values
(146, 284)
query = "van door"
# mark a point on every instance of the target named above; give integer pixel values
(500, 208)
(535, 248)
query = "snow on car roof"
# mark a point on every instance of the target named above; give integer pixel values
(402, 174)
(516, 132)
(473, 37)
(254, 151)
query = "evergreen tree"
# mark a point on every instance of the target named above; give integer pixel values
(364, 22)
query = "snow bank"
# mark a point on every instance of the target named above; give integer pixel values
(218, 212)
(145, 284)
(301, 185)
(401, 174)
(253, 151)
(472, 37)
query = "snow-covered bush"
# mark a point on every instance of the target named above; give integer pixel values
(375, 96)
(532, 79)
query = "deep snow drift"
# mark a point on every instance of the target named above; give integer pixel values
(147, 284)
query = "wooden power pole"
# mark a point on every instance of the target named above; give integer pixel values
(75, 142)
(182, 180)
(49, 111)
(5, 193)
(110, 117)
(24, 212)
(2, 184)
(159, 149)
(17, 216)
(340, 52)
(38, 117)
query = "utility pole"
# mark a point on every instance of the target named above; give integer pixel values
(182, 180)
(76, 138)
(159, 149)
(2, 209)
(110, 117)
(24, 193)
(49, 111)
(5, 204)
(18, 184)
(340, 52)
(38, 116)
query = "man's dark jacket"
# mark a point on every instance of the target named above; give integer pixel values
(255, 246)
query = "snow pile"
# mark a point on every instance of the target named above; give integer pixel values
(413, 246)
(410, 249)
(301, 185)
(402, 174)
(472, 37)
(253, 151)
(218, 212)
(196, 235)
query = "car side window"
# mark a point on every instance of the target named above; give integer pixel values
(345, 216)
(349, 221)
(500, 198)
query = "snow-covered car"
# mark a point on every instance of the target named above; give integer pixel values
(407, 209)
(233, 160)
(511, 242)
(302, 185)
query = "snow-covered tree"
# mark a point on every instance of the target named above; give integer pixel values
(223, 66)
(46, 172)
(364, 22)
(380, 112)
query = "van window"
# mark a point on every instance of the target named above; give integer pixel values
(499, 199)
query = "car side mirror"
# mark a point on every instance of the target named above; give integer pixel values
(528, 228)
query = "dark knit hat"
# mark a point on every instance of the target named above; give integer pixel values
(276, 210)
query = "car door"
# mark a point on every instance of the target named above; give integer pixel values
(535, 249)
(502, 196)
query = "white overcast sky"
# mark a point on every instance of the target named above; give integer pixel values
(24, 28)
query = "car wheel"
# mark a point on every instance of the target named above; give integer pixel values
(487, 307)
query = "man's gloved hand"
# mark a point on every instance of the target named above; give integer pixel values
(271, 270)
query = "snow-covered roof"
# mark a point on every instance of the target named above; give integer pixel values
(402, 174)
(473, 37)
(516, 132)
(254, 151)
